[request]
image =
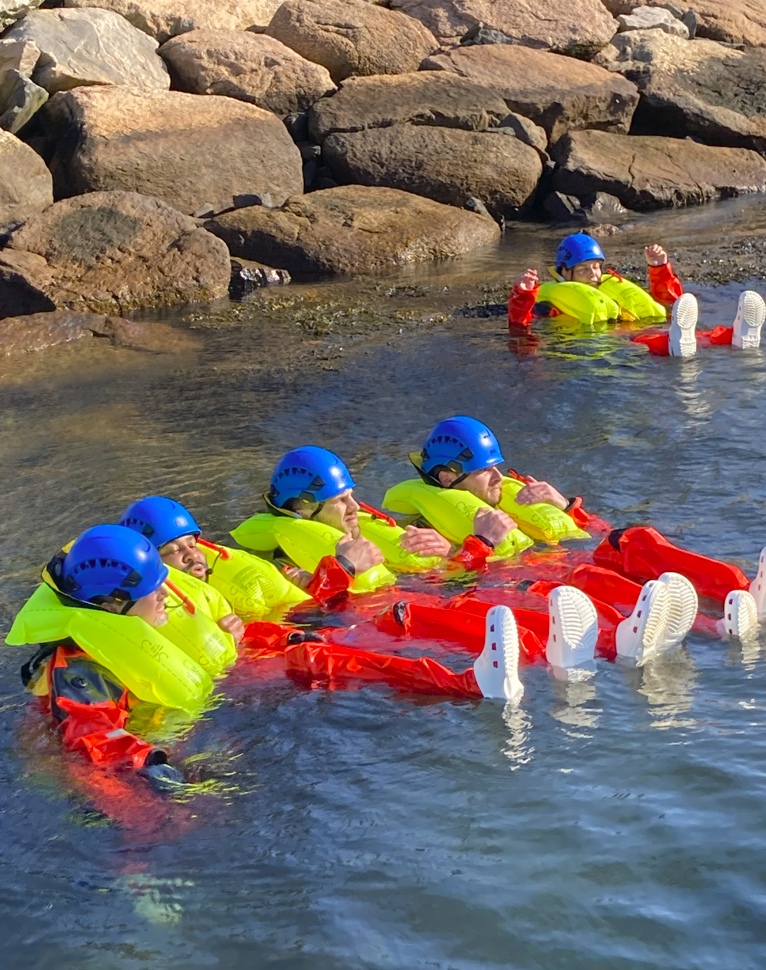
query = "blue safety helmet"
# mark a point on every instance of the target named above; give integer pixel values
(577, 248)
(311, 474)
(160, 519)
(110, 560)
(460, 444)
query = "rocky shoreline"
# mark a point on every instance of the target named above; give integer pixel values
(159, 152)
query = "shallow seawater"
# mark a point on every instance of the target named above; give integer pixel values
(616, 823)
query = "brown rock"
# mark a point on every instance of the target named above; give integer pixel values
(178, 147)
(424, 98)
(25, 182)
(700, 88)
(645, 172)
(577, 27)
(445, 164)
(250, 67)
(353, 229)
(89, 47)
(110, 252)
(352, 37)
(557, 93)
(730, 21)
(163, 19)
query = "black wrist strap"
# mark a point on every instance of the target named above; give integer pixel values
(346, 564)
(486, 541)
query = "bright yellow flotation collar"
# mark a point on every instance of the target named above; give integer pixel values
(614, 298)
(141, 657)
(254, 587)
(541, 520)
(305, 542)
(193, 622)
(450, 511)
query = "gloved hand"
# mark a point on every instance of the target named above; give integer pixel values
(163, 777)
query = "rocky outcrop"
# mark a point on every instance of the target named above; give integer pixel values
(184, 149)
(25, 182)
(353, 229)
(702, 88)
(39, 331)
(558, 93)
(577, 27)
(110, 252)
(729, 21)
(13, 10)
(352, 36)
(89, 47)
(250, 67)
(653, 18)
(646, 172)
(436, 98)
(20, 98)
(448, 165)
(163, 19)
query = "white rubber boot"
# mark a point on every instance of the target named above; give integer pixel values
(640, 636)
(572, 629)
(682, 608)
(740, 615)
(497, 666)
(683, 322)
(758, 586)
(751, 312)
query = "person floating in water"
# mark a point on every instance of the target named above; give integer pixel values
(581, 289)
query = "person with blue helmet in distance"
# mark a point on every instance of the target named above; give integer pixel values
(85, 667)
(580, 288)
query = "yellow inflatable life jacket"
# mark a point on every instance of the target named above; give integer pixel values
(253, 586)
(386, 535)
(450, 511)
(140, 656)
(614, 298)
(630, 298)
(305, 542)
(193, 622)
(541, 520)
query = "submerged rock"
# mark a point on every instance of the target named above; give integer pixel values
(181, 148)
(163, 19)
(26, 186)
(247, 276)
(353, 229)
(250, 67)
(700, 88)
(352, 36)
(646, 171)
(448, 165)
(558, 93)
(110, 252)
(435, 98)
(577, 27)
(89, 47)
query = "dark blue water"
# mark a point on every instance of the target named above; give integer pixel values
(617, 823)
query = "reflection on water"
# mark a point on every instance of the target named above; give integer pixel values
(328, 830)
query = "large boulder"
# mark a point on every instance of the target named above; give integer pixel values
(20, 98)
(558, 93)
(448, 165)
(578, 27)
(25, 183)
(179, 147)
(352, 36)
(89, 47)
(353, 229)
(110, 252)
(702, 88)
(163, 19)
(249, 67)
(645, 172)
(13, 10)
(729, 21)
(423, 98)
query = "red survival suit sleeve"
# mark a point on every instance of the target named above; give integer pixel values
(329, 580)
(523, 305)
(474, 553)
(664, 286)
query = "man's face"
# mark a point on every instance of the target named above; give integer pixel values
(486, 484)
(588, 272)
(184, 554)
(151, 608)
(341, 513)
